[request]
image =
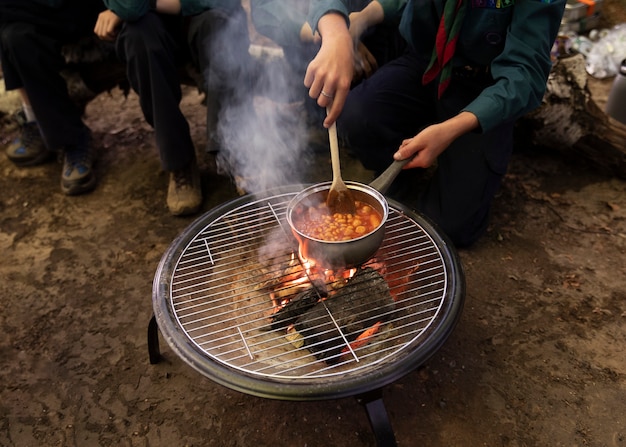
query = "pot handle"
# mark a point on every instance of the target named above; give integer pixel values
(384, 180)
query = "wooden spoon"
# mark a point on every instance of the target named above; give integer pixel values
(340, 198)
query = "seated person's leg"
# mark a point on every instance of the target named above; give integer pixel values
(391, 106)
(151, 53)
(33, 61)
(219, 44)
(151, 49)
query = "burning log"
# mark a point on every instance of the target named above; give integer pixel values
(289, 313)
(275, 279)
(362, 303)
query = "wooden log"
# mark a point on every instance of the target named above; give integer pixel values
(571, 122)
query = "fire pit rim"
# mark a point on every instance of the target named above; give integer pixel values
(294, 389)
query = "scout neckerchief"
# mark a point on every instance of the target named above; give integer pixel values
(445, 44)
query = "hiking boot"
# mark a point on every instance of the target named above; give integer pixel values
(184, 192)
(78, 176)
(29, 149)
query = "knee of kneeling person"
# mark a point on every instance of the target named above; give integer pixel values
(352, 117)
(16, 34)
(464, 233)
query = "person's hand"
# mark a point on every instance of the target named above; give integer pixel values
(329, 74)
(428, 144)
(107, 25)
(365, 63)
(307, 35)
(358, 25)
(168, 6)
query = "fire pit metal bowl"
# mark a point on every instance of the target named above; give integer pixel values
(223, 280)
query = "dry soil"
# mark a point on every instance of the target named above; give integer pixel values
(537, 359)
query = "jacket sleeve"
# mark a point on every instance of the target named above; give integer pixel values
(193, 7)
(392, 9)
(318, 8)
(521, 70)
(128, 10)
(279, 22)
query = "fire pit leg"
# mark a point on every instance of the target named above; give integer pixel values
(153, 341)
(379, 420)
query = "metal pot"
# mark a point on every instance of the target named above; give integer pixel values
(354, 252)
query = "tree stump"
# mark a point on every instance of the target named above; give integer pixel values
(570, 121)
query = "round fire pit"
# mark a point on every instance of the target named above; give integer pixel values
(233, 299)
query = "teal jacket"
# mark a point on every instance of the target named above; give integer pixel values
(281, 20)
(280, 23)
(521, 34)
(392, 9)
(130, 10)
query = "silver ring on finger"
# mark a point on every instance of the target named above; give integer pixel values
(328, 95)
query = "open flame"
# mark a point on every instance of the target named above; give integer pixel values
(329, 276)
(304, 276)
(300, 276)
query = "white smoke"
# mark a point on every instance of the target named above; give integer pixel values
(262, 133)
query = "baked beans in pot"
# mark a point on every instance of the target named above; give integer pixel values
(335, 241)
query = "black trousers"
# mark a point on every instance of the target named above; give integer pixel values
(154, 49)
(30, 50)
(393, 105)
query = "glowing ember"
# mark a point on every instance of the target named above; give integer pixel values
(330, 312)
(362, 339)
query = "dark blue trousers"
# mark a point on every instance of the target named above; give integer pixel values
(156, 46)
(31, 39)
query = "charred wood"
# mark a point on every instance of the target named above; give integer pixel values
(361, 303)
(296, 306)
(571, 122)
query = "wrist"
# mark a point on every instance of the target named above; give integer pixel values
(331, 24)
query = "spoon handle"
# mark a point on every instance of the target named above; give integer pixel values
(334, 152)
(384, 180)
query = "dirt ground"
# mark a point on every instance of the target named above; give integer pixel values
(537, 359)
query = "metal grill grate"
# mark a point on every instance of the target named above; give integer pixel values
(218, 298)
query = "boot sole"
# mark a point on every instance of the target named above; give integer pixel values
(40, 159)
(185, 211)
(77, 187)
